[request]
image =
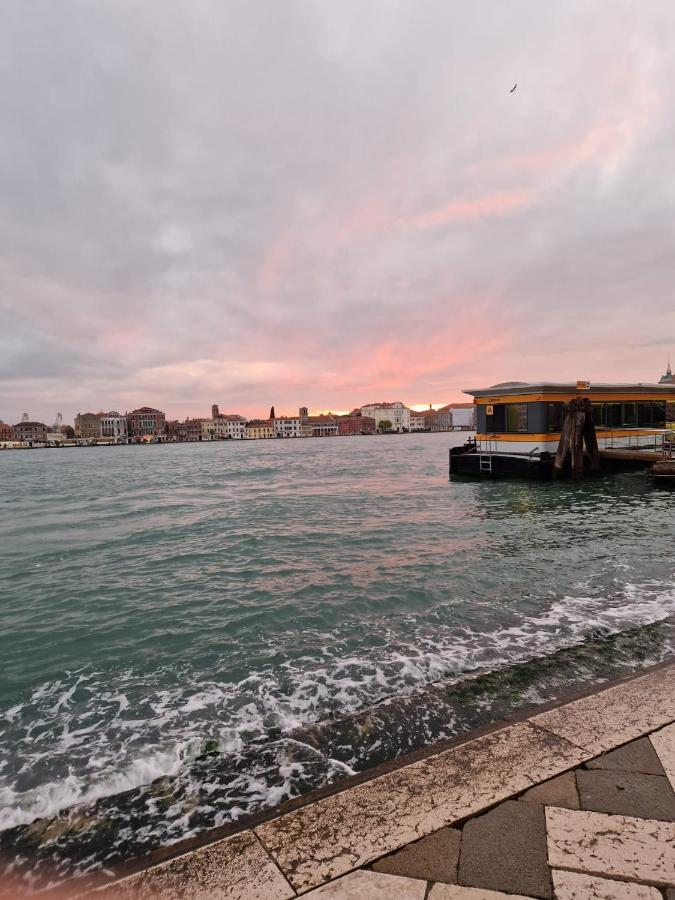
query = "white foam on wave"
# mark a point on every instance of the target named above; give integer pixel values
(52, 797)
(103, 752)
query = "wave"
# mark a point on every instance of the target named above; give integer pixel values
(107, 740)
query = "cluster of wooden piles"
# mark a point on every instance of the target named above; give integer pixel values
(578, 440)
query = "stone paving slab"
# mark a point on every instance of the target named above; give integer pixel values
(638, 756)
(663, 742)
(576, 886)
(457, 892)
(367, 885)
(612, 717)
(627, 794)
(611, 846)
(505, 850)
(236, 868)
(326, 839)
(434, 858)
(559, 791)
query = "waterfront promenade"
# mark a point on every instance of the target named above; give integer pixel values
(574, 800)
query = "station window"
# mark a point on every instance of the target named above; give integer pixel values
(630, 413)
(516, 417)
(644, 412)
(598, 413)
(659, 413)
(613, 415)
(554, 416)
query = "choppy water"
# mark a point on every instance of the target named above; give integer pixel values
(247, 621)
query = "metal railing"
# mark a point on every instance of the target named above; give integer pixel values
(661, 441)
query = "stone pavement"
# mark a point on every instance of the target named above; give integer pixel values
(576, 801)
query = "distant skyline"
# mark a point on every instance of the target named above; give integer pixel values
(328, 204)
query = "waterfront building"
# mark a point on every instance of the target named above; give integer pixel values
(145, 424)
(258, 429)
(461, 416)
(29, 432)
(114, 427)
(419, 420)
(193, 428)
(519, 424)
(5, 431)
(223, 427)
(173, 428)
(320, 426)
(88, 426)
(287, 426)
(355, 423)
(444, 420)
(396, 413)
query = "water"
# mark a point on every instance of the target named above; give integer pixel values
(237, 623)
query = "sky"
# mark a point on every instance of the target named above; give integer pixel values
(320, 203)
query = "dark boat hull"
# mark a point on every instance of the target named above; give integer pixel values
(501, 465)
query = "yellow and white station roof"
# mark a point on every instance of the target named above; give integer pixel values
(523, 391)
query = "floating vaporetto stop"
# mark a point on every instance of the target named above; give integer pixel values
(542, 429)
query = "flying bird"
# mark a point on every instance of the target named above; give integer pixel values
(513, 88)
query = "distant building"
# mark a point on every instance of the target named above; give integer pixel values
(397, 413)
(462, 416)
(5, 431)
(114, 427)
(287, 426)
(430, 420)
(668, 378)
(193, 430)
(88, 426)
(257, 429)
(444, 418)
(146, 423)
(30, 432)
(355, 423)
(173, 427)
(320, 426)
(223, 427)
(303, 412)
(418, 421)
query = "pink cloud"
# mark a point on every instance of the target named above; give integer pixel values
(497, 204)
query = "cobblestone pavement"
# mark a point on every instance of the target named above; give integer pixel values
(603, 830)
(575, 802)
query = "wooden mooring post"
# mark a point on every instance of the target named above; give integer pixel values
(578, 439)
